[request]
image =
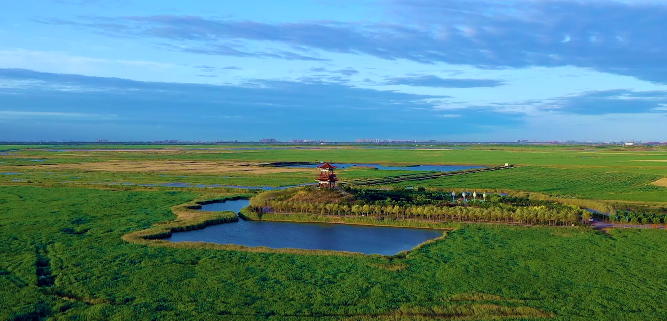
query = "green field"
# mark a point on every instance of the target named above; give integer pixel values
(589, 183)
(569, 273)
(62, 256)
(586, 172)
(474, 155)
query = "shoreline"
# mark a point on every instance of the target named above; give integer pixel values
(187, 221)
(189, 217)
(342, 220)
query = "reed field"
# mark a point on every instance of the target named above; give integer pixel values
(75, 242)
(73, 237)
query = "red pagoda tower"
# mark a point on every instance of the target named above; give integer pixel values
(327, 178)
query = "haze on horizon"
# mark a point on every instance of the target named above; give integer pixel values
(454, 70)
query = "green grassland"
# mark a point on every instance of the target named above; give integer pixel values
(617, 174)
(588, 183)
(63, 256)
(487, 155)
(72, 237)
(37, 175)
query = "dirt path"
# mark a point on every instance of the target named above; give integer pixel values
(661, 182)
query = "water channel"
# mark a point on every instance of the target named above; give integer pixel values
(309, 236)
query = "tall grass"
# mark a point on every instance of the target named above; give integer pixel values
(568, 274)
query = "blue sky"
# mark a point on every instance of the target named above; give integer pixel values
(456, 70)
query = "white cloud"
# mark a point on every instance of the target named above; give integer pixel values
(15, 114)
(60, 62)
(27, 84)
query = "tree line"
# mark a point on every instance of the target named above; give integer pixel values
(565, 215)
(629, 217)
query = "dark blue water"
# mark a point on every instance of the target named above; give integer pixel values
(309, 236)
(234, 206)
(438, 168)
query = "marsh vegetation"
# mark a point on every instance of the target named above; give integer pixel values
(419, 204)
(77, 251)
(476, 271)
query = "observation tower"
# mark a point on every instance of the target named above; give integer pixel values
(327, 178)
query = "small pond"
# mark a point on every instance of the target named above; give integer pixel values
(438, 168)
(309, 236)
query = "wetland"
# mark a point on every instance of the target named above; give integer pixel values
(307, 236)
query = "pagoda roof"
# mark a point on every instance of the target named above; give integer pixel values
(326, 166)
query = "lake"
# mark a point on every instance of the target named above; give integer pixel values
(308, 236)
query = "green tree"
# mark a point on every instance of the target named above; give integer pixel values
(396, 210)
(586, 216)
(366, 209)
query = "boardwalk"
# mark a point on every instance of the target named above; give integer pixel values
(600, 225)
(421, 177)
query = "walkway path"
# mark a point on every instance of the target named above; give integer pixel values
(421, 177)
(596, 224)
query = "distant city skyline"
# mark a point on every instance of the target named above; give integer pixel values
(455, 70)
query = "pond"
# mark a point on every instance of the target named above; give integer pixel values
(438, 168)
(309, 236)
